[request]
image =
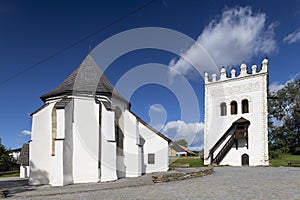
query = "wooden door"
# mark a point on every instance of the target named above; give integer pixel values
(245, 160)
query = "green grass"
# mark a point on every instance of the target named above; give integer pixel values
(284, 160)
(10, 175)
(191, 161)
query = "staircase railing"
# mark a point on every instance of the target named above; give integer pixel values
(239, 130)
(224, 150)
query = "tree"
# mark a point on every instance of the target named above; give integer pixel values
(284, 119)
(7, 163)
(181, 142)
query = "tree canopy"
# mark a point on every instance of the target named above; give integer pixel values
(7, 163)
(181, 142)
(284, 119)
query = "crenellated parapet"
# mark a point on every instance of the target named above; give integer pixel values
(243, 72)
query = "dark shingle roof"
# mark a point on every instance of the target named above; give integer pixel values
(241, 121)
(87, 79)
(24, 155)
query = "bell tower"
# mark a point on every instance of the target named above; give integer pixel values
(236, 117)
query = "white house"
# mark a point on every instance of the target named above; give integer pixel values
(15, 153)
(179, 150)
(23, 161)
(236, 117)
(85, 132)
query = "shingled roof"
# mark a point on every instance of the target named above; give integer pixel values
(24, 155)
(180, 148)
(87, 79)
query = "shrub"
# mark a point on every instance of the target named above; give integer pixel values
(275, 154)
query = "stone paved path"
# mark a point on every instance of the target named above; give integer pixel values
(225, 183)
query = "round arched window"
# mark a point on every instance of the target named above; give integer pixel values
(233, 107)
(223, 109)
(245, 106)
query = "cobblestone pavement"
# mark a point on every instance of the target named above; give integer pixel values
(225, 183)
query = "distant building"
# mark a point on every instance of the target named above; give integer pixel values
(23, 161)
(85, 132)
(15, 153)
(179, 150)
(236, 117)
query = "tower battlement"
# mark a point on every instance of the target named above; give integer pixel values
(243, 72)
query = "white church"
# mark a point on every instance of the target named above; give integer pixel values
(85, 132)
(236, 117)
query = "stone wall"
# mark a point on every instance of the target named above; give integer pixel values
(182, 174)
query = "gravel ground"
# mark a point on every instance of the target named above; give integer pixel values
(225, 183)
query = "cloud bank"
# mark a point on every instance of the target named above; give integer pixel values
(237, 35)
(191, 132)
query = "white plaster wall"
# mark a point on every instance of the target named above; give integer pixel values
(108, 146)
(253, 88)
(56, 165)
(156, 145)
(24, 171)
(221, 146)
(132, 158)
(85, 140)
(40, 146)
(56, 161)
(15, 155)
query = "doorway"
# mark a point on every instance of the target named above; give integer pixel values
(245, 160)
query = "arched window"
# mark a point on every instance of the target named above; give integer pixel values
(245, 106)
(233, 107)
(223, 109)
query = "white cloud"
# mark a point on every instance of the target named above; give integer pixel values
(275, 86)
(293, 37)
(157, 108)
(236, 36)
(158, 116)
(191, 132)
(25, 132)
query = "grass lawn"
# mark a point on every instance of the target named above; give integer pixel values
(178, 162)
(284, 160)
(10, 175)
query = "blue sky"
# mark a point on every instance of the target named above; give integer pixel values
(230, 31)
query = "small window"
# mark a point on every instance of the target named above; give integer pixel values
(151, 158)
(233, 106)
(245, 106)
(223, 109)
